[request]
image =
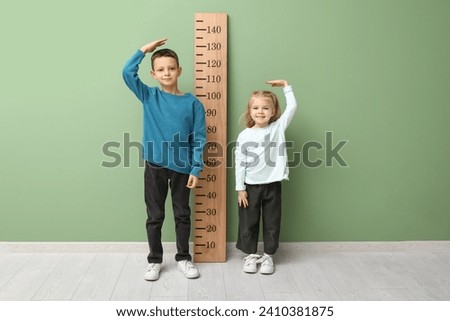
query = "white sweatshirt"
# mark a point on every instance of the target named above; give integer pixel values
(260, 155)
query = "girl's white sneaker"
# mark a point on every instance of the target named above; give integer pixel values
(250, 263)
(267, 266)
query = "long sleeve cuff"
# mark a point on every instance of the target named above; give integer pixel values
(287, 89)
(240, 187)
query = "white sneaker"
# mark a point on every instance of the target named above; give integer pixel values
(152, 273)
(250, 263)
(267, 266)
(188, 269)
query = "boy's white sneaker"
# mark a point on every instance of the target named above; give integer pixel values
(267, 266)
(152, 273)
(250, 263)
(188, 269)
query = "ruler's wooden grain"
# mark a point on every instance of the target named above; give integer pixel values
(211, 89)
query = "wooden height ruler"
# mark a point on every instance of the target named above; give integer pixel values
(211, 89)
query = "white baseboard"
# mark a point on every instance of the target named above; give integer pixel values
(129, 247)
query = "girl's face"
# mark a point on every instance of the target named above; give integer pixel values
(261, 111)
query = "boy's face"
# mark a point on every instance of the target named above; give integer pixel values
(261, 111)
(166, 71)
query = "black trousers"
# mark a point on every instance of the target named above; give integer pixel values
(157, 181)
(264, 201)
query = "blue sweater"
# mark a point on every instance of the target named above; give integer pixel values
(174, 126)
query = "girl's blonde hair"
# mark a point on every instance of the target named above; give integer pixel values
(263, 94)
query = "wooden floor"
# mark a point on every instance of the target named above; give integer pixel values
(304, 271)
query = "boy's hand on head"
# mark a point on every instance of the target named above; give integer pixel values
(277, 83)
(192, 181)
(242, 198)
(150, 47)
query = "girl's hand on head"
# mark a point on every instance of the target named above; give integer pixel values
(150, 47)
(277, 83)
(242, 198)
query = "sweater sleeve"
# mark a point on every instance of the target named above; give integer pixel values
(131, 77)
(239, 153)
(291, 107)
(199, 140)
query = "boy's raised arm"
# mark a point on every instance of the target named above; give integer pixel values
(150, 47)
(130, 70)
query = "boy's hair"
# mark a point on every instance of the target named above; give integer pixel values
(267, 95)
(165, 53)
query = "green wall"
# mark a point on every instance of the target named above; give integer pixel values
(373, 73)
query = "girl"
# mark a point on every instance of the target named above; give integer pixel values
(261, 165)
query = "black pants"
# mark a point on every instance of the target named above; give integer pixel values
(264, 201)
(157, 180)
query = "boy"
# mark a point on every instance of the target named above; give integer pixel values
(173, 140)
